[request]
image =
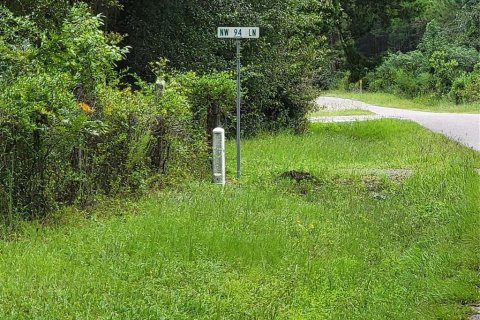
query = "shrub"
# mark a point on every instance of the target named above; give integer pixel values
(444, 71)
(466, 88)
(67, 132)
(284, 60)
(438, 68)
(212, 98)
(18, 37)
(401, 73)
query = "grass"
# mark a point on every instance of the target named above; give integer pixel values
(270, 247)
(390, 100)
(347, 112)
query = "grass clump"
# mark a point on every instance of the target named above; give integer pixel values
(267, 247)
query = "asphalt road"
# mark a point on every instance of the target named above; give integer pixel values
(464, 128)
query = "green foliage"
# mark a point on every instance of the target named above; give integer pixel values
(444, 70)
(350, 244)
(18, 37)
(439, 68)
(82, 50)
(405, 73)
(364, 31)
(213, 100)
(435, 40)
(290, 52)
(458, 21)
(466, 88)
(47, 14)
(50, 14)
(280, 67)
(68, 134)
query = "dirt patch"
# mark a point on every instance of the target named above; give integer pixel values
(476, 316)
(376, 183)
(396, 175)
(299, 176)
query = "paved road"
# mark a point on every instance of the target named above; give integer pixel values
(464, 128)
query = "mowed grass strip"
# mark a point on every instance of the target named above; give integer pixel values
(422, 104)
(270, 247)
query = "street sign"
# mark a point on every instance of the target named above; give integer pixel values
(238, 32)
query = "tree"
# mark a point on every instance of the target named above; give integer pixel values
(279, 67)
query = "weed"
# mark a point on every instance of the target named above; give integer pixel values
(258, 250)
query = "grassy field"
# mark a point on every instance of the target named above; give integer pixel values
(304, 235)
(347, 112)
(390, 100)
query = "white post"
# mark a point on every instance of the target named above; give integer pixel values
(219, 156)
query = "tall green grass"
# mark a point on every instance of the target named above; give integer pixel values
(268, 247)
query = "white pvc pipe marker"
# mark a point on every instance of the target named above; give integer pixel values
(219, 156)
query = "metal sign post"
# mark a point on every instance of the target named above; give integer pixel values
(239, 103)
(238, 33)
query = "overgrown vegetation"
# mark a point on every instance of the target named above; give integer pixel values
(446, 63)
(95, 105)
(105, 99)
(278, 67)
(70, 133)
(437, 70)
(339, 243)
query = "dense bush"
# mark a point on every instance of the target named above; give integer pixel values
(466, 88)
(404, 73)
(277, 66)
(212, 97)
(69, 134)
(437, 69)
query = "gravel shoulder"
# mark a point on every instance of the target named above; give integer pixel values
(464, 128)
